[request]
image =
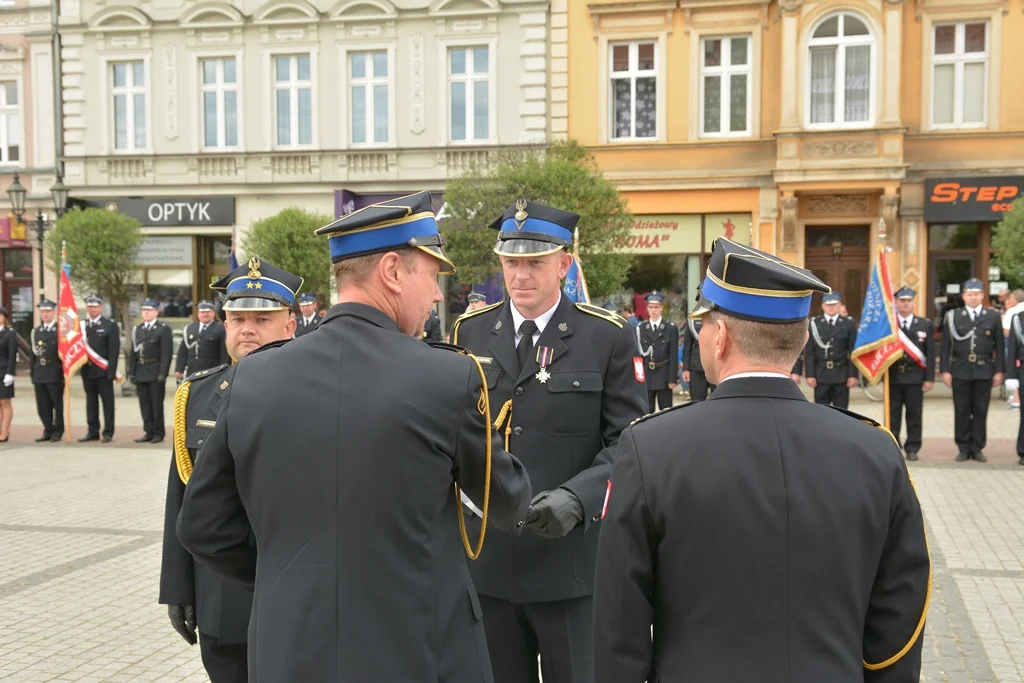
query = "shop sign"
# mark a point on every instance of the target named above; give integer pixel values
(183, 212)
(680, 233)
(970, 200)
(12, 232)
(165, 251)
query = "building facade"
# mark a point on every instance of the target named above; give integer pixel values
(797, 126)
(199, 118)
(27, 145)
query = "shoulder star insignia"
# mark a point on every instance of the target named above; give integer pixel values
(563, 327)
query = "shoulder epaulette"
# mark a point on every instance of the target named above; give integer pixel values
(202, 374)
(603, 313)
(867, 421)
(648, 416)
(470, 314)
(269, 345)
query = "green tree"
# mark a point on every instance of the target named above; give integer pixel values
(564, 176)
(1008, 244)
(287, 241)
(101, 248)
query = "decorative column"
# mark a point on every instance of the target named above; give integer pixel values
(893, 58)
(790, 205)
(790, 59)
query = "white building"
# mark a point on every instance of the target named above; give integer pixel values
(201, 117)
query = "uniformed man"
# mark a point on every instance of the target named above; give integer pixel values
(752, 556)
(308, 320)
(971, 360)
(361, 573)
(104, 339)
(198, 599)
(475, 301)
(148, 365)
(48, 373)
(829, 370)
(911, 377)
(565, 379)
(693, 371)
(432, 328)
(202, 343)
(659, 346)
(1015, 370)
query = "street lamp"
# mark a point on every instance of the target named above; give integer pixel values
(59, 193)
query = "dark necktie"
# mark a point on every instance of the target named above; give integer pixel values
(525, 348)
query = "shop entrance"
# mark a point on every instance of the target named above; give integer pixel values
(839, 257)
(214, 256)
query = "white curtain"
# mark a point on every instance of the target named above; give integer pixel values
(823, 84)
(858, 83)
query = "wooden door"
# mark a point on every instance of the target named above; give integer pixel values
(840, 257)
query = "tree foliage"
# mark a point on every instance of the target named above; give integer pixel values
(564, 176)
(286, 240)
(102, 247)
(1008, 243)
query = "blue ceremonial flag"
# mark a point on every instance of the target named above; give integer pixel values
(233, 261)
(878, 344)
(575, 284)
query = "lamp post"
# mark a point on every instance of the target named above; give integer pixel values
(59, 193)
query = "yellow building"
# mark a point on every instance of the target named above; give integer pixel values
(796, 126)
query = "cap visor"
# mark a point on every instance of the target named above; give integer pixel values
(252, 303)
(521, 247)
(703, 308)
(438, 252)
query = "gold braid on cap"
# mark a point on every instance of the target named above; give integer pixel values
(182, 458)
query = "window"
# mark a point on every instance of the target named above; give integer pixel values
(10, 123)
(634, 91)
(129, 94)
(220, 102)
(469, 93)
(841, 52)
(959, 74)
(293, 98)
(369, 87)
(725, 86)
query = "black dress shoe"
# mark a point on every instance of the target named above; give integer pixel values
(44, 437)
(56, 437)
(980, 457)
(1021, 461)
(156, 439)
(961, 457)
(144, 439)
(89, 437)
(107, 439)
(911, 455)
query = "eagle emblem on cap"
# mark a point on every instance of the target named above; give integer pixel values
(521, 214)
(254, 268)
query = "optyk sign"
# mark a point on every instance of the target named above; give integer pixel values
(169, 211)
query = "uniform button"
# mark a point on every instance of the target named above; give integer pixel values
(519, 391)
(576, 383)
(518, 431)
(200, 442)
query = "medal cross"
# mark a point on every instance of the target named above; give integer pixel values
(543, 376)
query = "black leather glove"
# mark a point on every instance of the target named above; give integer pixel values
(183, 619)
(161, 378)
(553, 514)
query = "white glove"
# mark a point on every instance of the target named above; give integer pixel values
(8, 380)
(1012, 384)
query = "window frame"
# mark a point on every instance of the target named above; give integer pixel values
(294, 87)
(632, 74)
(469, 78)
(109, 128)
(345, 51)
(724, 74)
(200, 88)
(959, 60)
(444, 44)
(839, 96)
(19, 111)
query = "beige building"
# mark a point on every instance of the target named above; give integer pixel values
(198, 118)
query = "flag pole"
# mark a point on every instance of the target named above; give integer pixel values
(67, 379)
(883, 240)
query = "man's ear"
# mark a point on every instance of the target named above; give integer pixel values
(388, 270)
(564, 264)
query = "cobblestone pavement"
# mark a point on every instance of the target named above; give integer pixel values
(80, 529)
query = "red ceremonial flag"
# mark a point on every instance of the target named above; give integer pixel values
(71, 343)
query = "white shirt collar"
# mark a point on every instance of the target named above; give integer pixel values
(832, 318)
(974, 311)
(306, 321)
(542, 320)
(740, 375)
(95, 320)
(655, 323)
(908, 319)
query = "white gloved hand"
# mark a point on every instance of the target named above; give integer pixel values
(8, 380)
(1012, 385)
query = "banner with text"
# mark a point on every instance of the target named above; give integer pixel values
(680, 233)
